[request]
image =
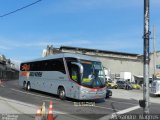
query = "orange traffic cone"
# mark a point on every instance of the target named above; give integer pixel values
(50, 112)
(38, 115)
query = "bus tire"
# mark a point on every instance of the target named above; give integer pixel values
(28, 86)
(61, 93)
(24, 85)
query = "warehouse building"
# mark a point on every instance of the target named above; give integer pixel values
(155, 64)
(7, 69)
(115, 62)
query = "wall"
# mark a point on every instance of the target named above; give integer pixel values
(157, 61)
(117, 63)
(120, 65)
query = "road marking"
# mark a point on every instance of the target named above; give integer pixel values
(57, 99)
(33, 94)
(119, 113)
(2, 86)
(128, 110)
(39, 95)
(12, 104)
(120, 102)
(105, 108)
(60, 112)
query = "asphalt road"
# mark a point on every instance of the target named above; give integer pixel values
(102, 109)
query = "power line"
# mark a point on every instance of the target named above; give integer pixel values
(6, 14)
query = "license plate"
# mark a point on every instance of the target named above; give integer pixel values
(97, 97)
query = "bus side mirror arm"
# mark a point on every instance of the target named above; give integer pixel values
(80, 68)
(79, 65)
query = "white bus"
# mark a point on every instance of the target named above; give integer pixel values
(67, 75)
(155, 87)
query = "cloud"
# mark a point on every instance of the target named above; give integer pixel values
(73, 42)
(16, 62)
(15, 44)
(114, 43)
(56, 43)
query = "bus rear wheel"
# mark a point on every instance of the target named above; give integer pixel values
(24, 85)
(61, 93)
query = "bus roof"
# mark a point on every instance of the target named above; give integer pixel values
(61, 55)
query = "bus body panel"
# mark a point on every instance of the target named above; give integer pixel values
(49, 82)
(73, 90)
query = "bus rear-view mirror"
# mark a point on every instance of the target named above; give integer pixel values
(79, 65)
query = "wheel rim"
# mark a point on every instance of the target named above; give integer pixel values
(61, 94)
(28, 87)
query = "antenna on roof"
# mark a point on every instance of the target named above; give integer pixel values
(49, 51)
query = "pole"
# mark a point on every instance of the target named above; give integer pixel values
(146, 58)
(154, 52)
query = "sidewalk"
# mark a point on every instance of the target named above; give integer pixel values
(132, 94)
(9, 106)
(16, 110)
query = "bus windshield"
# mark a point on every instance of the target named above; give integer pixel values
(93, 75)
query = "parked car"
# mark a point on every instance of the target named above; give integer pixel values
(124, 85)
(135, 86)
(108, 93)
(111, 85)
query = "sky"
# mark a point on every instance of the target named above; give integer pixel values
(114, 25)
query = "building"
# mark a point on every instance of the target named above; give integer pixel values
(118, 62)
(155, 64)
(7, 69)
(115, 62)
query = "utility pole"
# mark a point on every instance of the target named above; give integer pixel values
(146, 58)
(154, 51)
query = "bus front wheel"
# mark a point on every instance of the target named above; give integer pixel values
(61, 93)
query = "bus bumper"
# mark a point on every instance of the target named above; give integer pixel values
(92, 95)
(155, 92)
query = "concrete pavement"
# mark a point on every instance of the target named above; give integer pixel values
(9, 106)
(132, 95)
(17, 110)
(122, 101)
